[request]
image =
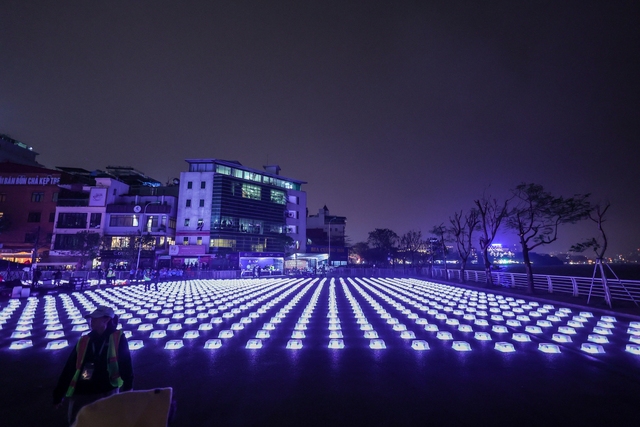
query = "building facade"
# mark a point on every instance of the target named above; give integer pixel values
(28, 200)
(233, 216)
(326, 233)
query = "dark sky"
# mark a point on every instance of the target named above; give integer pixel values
(397, 114)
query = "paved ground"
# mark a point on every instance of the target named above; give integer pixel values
(355, 385)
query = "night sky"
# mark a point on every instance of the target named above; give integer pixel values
(396, 113)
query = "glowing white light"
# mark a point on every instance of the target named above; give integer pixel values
(520, 337)
(145, 327)
(444, 335)
(592, 348)
(158, 334)
(225, 333)
(174, 326)
(533, 329)
(481, 322)
(504, 347)
(419, 345)
(634, 325)
(54, 334)
(408, 335)
(163, 321)
(20, 344)
(21, 334)
(301, 326)
(336, 334)
(173, 345)
(514, 323)
(254, 343)
(399, 327)
(57, 344)
(205, 327)
(602, 331)
(544, 323)
(465, 328)
(54, 327)
(127, 334)
(633, 349)
(237, 326)
(334, 327)
(482, 336)
(297, 334)
(191, 334)
(294, 344)
(575, 324)
(610, 319)
(586, 314)
(500, 329)
(336, 343)
(190, 321)
(441, 316)
(421, 321)
(377, 344)
(548, 348)
(453, 322)
(461, 346)
(215, 343)
(135, 344)
(561, 338)
(497, 318)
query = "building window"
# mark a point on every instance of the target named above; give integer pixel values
(250, 191)
(72, 220)
(279, 197)
(188, 203)
(185, 241)
(34, 217)
(222, 243)
(190, 185)
(203, 185)
(95, 220)
(37, 197)
(199, 240)
(186, 222)
(200, 223)
(54, 197)
(202, 203)
(3, 197)
(123, 221)
(52, 217)
(172, 223)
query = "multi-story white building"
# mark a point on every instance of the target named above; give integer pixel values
(230, 215)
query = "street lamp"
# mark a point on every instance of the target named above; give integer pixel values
(137, 209)
(330, 221)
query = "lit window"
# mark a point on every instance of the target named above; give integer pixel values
(279, 197)
(186, 222)
(199, 240)
(185, 241)
(250, 191)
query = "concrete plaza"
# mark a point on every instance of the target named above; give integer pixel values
(339, 352)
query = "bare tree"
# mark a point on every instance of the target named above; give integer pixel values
(440, 231)
(492, 213)
(536, 216)
(462, 228)
(411, 243)
(599, 246)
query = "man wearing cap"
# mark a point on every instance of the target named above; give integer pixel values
(98, 366)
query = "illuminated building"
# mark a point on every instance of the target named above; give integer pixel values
(236, 216)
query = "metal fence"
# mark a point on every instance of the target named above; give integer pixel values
(621, 290)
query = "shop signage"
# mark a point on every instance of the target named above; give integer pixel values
(175, 250)
(30, 180)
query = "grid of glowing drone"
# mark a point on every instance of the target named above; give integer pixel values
(381, 313)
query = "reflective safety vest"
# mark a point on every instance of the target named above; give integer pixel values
(112, 361)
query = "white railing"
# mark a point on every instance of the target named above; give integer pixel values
(622, 290)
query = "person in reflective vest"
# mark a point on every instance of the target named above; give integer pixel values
(98, 366)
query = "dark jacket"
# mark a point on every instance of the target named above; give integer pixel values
(99, 382)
